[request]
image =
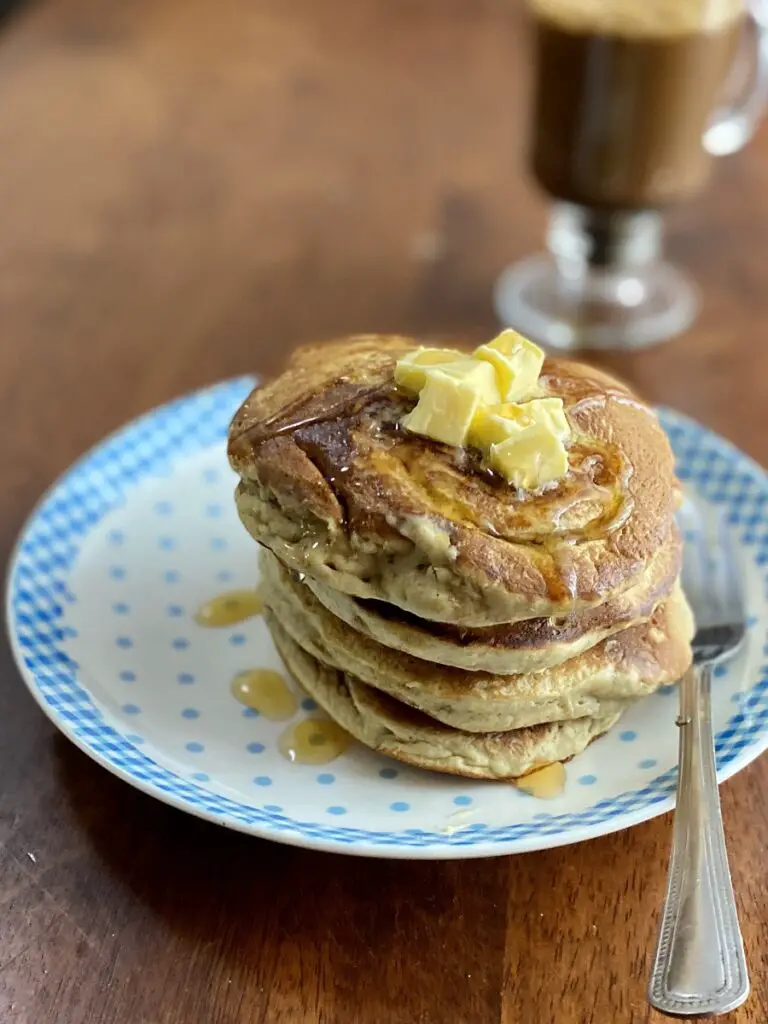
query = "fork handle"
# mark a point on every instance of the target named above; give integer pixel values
(700, 968)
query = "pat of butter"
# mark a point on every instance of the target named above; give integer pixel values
(445, 410)
(411, 370)
(530, 458)
(548, 413)
(475, 374)
(494, 424)
(517, 363)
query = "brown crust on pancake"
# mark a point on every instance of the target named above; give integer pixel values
(334, 486)
(402, 732)
(629, 665)
(616, 612)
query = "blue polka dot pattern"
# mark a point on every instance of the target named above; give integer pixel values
(587, 780)
(647, 762)
(238, 639)
(40, 585)
(194, 747)
(628, 735)
(174, 610)
(124, 642)
(389, 773)
(263, 780)
(337, 810)
(255, 748)
(128, 676)
(121, 608)
(462, 801)
(201, 777)
(166, 543)
(190, 713)
(180, 643)
(131, 709)
(719, 671)
(308, 704)
(223, 576)
(400, 805)
(326, 779)
(185, 678)
(163, 508)
(250, 713)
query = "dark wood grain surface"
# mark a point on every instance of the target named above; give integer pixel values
(189, 189)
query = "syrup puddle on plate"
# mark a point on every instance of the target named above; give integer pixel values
(229, 608)
(310, 741)
(313, 741)
(544, 783)
(265, 691)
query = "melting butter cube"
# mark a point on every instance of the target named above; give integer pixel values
(531, 458)
(548, 413)
(478, 375)
(411, 370)
(489, 426)
(446, 407)
(517, 363)
(494, 424)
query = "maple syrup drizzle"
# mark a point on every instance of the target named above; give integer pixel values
(267, 692)
(229, 608)
(313, 741)
(544, 783)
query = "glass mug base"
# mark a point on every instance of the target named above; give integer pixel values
(597, 307)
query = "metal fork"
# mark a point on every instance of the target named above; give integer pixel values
(700, 968)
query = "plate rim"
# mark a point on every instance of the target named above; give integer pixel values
(354, 847)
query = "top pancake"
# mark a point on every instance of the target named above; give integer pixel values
(334, 486)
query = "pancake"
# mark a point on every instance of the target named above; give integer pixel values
(337, 489)
(394, 729)
(529, 645)
(599, 683)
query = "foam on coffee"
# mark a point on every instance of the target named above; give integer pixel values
(655, 19)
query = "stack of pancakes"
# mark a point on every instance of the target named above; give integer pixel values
(435, 612)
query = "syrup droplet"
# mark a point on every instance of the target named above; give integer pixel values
(313, 741)
(229, 608)
(545, 783)
(267, 692)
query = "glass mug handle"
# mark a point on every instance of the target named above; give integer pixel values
(733, 126)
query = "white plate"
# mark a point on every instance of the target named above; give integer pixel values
(137, 535)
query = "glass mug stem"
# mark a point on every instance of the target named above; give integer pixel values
(601, 285)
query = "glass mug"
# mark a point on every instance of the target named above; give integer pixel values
(626, 121)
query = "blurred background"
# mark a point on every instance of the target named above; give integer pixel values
(192, 188)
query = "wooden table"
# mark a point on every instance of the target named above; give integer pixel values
(190, 188)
